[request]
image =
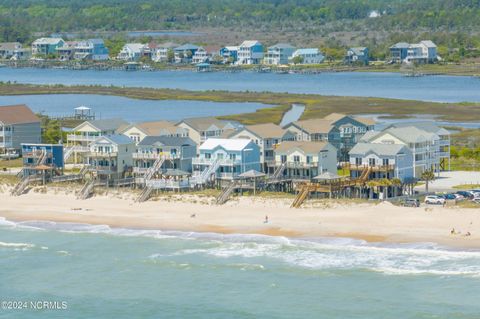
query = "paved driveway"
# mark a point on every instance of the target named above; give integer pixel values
(447, 180)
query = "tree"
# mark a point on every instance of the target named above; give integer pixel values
(298, 59)
(170, 55)
(52, 132)
(427, 176)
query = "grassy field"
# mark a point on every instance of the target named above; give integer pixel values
(316, 105)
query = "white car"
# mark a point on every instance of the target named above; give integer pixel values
(434, 199)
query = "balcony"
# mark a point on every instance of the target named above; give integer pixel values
(81, 138)
(104, 169)
(210, 161)
(154, 156)
(374, 168)
(140, 170)
(301, 164)
(102, 154)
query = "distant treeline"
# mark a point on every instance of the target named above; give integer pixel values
(20, 19)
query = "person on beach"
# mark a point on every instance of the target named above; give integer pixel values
(266, 219)
(452, 232)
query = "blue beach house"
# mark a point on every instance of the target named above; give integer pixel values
(250, 52)
(227, 158)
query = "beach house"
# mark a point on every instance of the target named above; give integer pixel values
(315, 130)
(229, 54)
(174, 152)
(357, 55)
(306, 56)
(46, 46)
(201, 128)
(398, 52)
(18, 124)
(66, 51)
(305, 159)
(250, 52)
(79, 139)
(267, 136)
(279, 54)
(422, 52)
(138, 131)
(443, 134)
(381, 161)
(40, 157)
(425, 146)
(110, 156)
(132, 51)
(164, 52)
(227, 158)
(7, 49)
(185, 53)
(91, 49)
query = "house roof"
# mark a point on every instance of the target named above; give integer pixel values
(400, 45)
(423, 125)
(428, 43)
(10, 45)
(365, 120)
(307, 51)
(187, 46)
(51, 41)
(155, 128)
(168, 45)
(306, 146)
(250, 43)
(409, 134)
(203, 123)
(267, 130)
(377, 148)
(135, 47)
(369, 135)
(118, 139)
(334, 117)
(358, 50)
(314, 125)
(231, 48)
(106, 124)
(17, 114)
(167, 141)
(234, 144)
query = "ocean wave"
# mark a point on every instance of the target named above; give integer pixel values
(16, 246)
(331, 254)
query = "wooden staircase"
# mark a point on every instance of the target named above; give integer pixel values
(226, 192)
(302, 195)
(86, 190)
(23, 183)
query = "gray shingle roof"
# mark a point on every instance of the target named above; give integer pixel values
(118, 139)
(167, 141)
(428, 126)
(108, 124)
(377, 148)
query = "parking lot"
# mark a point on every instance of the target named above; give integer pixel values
(447, 180)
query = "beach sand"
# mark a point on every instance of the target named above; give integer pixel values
(372, 222)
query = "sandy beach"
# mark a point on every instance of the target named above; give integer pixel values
(372, 222)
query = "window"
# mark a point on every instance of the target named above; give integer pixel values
(220, 155)
(208, 155)
(385, 162)
(358, 161)
(296, 158)
(233, 156)
(283, 158)
(371, 161)
(309, 159)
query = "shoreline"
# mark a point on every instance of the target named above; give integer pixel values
(373, 223)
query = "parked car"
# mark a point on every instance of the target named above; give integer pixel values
(449, 196)
(411, 202)
(434, 199)
(476, 200)
(465, 194)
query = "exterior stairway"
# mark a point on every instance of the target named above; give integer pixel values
(302, 195)
(86, 190)
(226, 192)
(23, 183)
(147, 190)
(207, 172)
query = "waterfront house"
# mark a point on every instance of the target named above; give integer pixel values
(229, 54)
(18, 124)
(66, 51)
(21, 54)
(91, 49)
(208, 54)
(110, 156)
(176, 152)
(279, 54)
(444, 139)
(425, 146)
(132, 52)
(398, 52)
(185, 53)
(307, 56)
(305, 159)
(164, 52)
(250, 52)
(201, 128)
(228, 157)
(315, 130)
(79, 139)
(357, 55)
(46, 46)
(383, 161)
(138, 131)
(39, 157)
(7, 49)
(267, 136)
(422, 52)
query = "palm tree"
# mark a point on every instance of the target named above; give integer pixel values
(427, 176)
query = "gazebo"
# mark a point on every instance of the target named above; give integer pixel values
(252, 175)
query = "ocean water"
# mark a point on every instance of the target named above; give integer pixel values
(387, 85)
(100, 272)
